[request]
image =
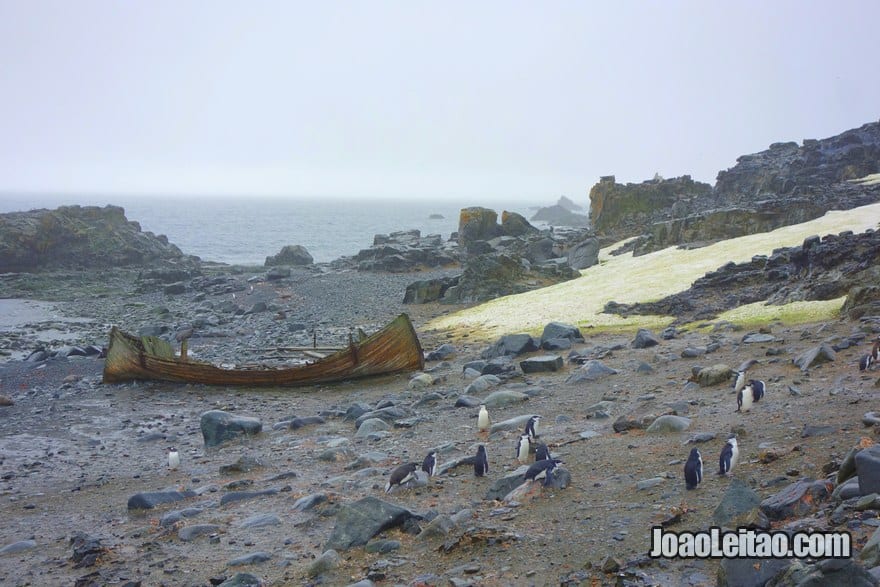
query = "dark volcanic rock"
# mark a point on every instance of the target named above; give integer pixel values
(81, 237)
(428, 290)
(149, 500)
(542, 363)
(511, 345)
(584, 254)
(867, 467)
(513, 224)
(558, 215)
(738, 499)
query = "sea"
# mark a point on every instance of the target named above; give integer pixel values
(246, 230)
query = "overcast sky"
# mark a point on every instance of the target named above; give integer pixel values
(459, 99)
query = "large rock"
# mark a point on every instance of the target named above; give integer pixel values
(556, 330)
(749, 572)
(219, 427)
(738, 499)
(82, 237)
(867, 467)
(477, 224)
(644, 339)
(799, 499)
(592, 370)
(513, 224)
(504, 397)
(585, 254)
(358, 522)
(560, 215)
(825, 572)
(709, 376)
(150, 499)
(814, 356)
(541, 363)
(290, 255)
(511, 345)
(428, 290)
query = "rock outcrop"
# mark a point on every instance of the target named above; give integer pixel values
(820, 269)
(785, 184)
(620, 211)
(81, 237)
(290, 255)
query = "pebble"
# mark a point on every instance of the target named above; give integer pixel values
(249, 559)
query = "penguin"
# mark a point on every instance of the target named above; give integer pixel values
(739, 382)
(542, 453)
(523, 447)
(693, 469)
(173, 458)
(481, 462)
(749, 394)
(542, 470)
(532, 427)
(729, 456)
(483, 421)
(401, 475)
(871, 358)
(429, 465)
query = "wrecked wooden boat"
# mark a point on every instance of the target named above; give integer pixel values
(393, 349)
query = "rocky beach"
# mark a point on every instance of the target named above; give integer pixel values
(287, 486)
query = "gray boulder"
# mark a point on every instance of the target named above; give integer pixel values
(738, 499)
(669, 423)
(644, 339)
(555, 330)
(867, 464)
(815, 356)
(800, 499)
(511, 345)
(151, 499)
(358, 522)
(584, 254)
(505, 397)
(290, 255)
(242, 580)
(592, 370)
(542, 363)
(219, 427)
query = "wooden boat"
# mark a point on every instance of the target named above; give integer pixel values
(393, 349)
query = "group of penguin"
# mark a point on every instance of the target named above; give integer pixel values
(541, 469)
(746, 395)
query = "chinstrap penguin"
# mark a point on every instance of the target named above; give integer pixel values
(542, 470)
(429, 465)
(728, 458)
(523, 447)
(532, 427)
(749, 394)
(481, 462)
(693, 469)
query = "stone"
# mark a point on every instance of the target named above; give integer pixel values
(382, 546)
(825, 572)
(477, 223)
(644, 339)
(442, 353)
(277, 273)
(870, 554)
(867, 463)
(290, 255)
(425, 291)
(541, 363)
(149, 500)
(482, 384)
(847, 466)
(811, 430)
(249, 559)
(592, 370)
(421, 381)
(799, 499)
(176, 516)
(504, 397)
(517, 423)
(814, 357)
(649, 483)
(749, 572)
(709, 376)
(738, 499)
(244, 464)
(847, 490)
(556, 344)
(584, 254)
(328, 561)
(633, 421)
(190, 533)
(219, 427)
(358, 522)
(502, 486)
(439, 527)
(513, 224)
(371, 426)
(234, 496)
(758, 338)
(6, 401)
(511, 345)
(308, 502)
(17, 547)
(260, 521)
(556, 330)
(669, 423)
(242, 580)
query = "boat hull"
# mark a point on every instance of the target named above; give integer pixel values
(394, 349)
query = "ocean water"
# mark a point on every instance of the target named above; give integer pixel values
(247, 230)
